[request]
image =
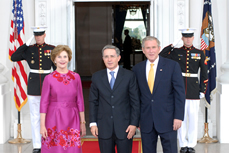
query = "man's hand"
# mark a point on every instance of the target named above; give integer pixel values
(94, 131)
(29, 41)
(131, 131)
(176, 124)
(175, 42)
(202, 95)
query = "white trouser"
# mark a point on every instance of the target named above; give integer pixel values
(189, 126)
(34, 106)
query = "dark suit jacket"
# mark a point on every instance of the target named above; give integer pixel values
(114, 110)
(168, 99)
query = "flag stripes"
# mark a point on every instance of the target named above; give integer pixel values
(17, 35)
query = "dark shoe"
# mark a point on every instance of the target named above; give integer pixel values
(191, 150)
(36, 150)
(184, 150)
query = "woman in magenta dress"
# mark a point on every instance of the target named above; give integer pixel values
(62, 107)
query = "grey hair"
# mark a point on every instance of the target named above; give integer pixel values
(111, 47)
(150, 38)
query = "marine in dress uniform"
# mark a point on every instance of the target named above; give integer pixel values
(191, 60)
(39, 61)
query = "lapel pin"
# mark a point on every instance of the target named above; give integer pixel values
(160, 69)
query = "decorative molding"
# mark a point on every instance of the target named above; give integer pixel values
(41, 12)
(181, 12)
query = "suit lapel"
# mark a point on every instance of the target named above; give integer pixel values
(159, 73)
(144, 79)
(118, 79)
(105, 79)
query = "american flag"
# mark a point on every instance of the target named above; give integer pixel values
(17, 35)
(208, 46)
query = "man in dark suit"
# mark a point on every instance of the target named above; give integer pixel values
(114, 104)
(127, 49)
(162, 95)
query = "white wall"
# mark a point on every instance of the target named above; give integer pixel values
(6, 8)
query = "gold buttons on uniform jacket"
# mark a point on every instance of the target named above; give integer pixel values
(187, 58)
(187, 70)
(187, 62)
(40, 49)
(40, 68)
(187, 66)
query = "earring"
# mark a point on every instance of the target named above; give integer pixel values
(55, 61)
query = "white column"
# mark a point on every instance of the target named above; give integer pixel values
(4, 108)
(52, 14)
(169, 17)
(223, 87)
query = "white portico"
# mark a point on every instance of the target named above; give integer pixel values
(166, 17)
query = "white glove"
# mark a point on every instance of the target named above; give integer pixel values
(202, 95)
(29, 41)
(176, 42)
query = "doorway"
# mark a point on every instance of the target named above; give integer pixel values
(102, 23)
(98, 24)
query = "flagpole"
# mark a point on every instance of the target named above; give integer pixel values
(206, 138)
(19, 138)
(208, 46)
(17, 34)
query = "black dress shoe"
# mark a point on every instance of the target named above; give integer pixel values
(191, 150)
(36, 150)
(184, 150)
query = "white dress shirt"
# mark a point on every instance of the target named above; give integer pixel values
(154, 67)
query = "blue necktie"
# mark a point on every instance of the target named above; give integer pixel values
(112, 79)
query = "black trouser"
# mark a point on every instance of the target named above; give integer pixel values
(108, 145)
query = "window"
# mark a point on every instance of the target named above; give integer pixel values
(134, 22)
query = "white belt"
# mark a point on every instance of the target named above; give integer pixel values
(189, 75)
(40, 71)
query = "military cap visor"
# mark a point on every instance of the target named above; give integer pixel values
(187, 34)
(38, 33)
